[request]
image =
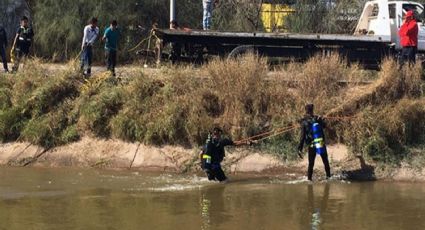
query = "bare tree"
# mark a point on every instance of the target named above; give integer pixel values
(238, 15)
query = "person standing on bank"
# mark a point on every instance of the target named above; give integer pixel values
(91, 32)
(409, 38)
(3, 47)
(22, 42)
(111, 38)
(208, 6)
(213, 154)
(313, 136)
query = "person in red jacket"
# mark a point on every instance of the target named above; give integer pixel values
(409, 38)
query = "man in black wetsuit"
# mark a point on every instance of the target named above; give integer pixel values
(308, 137)
(213, 154)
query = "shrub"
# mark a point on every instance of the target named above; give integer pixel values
(125, 127)
(39, 131)
(5, 98)
(69, 135)
(11, 123)
(97, 110)
(386, 133)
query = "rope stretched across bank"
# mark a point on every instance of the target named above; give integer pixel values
(149, 38)
(280, 131)
(273, 133)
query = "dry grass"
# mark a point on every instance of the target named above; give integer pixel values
(242, 91)
(180, 105)
(386, 133)
(392, 85)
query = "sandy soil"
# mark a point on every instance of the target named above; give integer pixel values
(114, 154)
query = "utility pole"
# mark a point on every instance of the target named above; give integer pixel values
(172, 11)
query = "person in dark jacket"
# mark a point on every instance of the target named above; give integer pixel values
(409, 38)
(213, 154)
(23, 41)
(3, 47)
(314, 144)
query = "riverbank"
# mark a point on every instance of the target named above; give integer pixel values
(378, 115)
(119, 155)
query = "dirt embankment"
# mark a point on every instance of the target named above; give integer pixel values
(117, 154)
(114, 154)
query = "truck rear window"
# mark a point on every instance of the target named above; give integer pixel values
(417, 9)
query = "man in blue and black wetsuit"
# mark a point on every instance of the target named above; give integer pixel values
(214, 153)
(314, 141)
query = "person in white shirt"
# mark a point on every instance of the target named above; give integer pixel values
(208, 8)
(91, 32)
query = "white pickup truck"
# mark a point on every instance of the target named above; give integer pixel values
(383, 19)
(375, 37)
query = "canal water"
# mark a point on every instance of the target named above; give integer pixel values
(89, 199)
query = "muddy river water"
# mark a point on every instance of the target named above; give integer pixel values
(89, 199)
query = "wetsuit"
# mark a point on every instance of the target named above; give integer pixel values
(213, 156)
(307, 138)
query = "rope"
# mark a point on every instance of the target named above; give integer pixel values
(139, 44)
(269, 134)
(277, 132)
(12, 51)
(149, 39)
(94, 82)
(151, 34)
(78, 56)
(289, 129)
(339, 118)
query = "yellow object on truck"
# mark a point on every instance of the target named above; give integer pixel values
(273, 16)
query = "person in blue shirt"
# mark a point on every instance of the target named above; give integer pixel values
(111, 38)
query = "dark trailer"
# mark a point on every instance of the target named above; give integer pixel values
(196, 45)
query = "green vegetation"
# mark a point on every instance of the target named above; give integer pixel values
(319, 17)
(59, 23)
(384, 120)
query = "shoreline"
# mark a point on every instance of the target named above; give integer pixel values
(60, 110)
(118, 155)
